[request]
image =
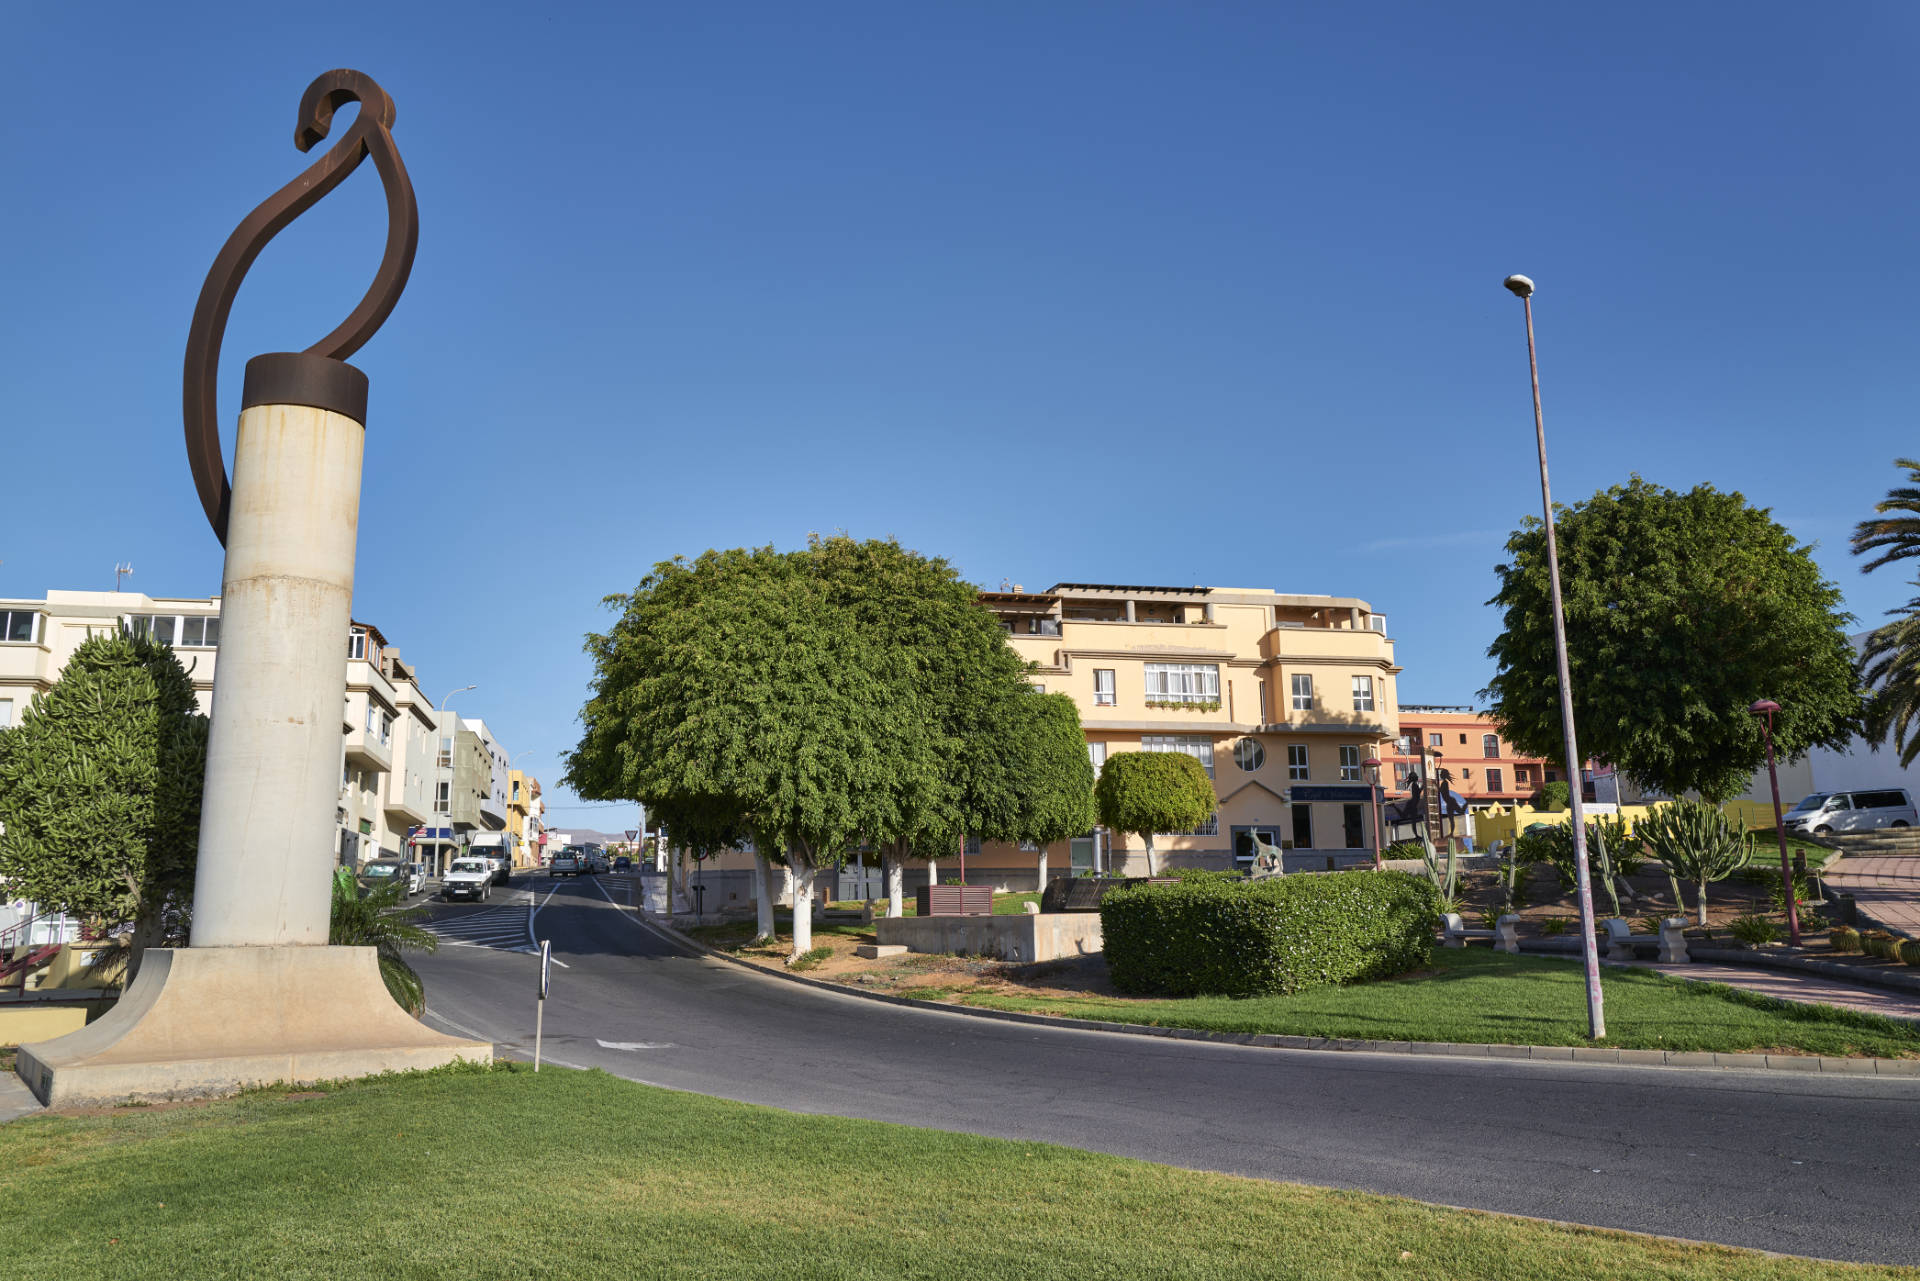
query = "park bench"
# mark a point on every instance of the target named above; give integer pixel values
(1505, 935)
(1672, 940)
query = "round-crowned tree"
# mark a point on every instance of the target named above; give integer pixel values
(1149, 792)
(1682, 610)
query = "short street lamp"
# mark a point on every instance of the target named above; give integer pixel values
(1373, 786)
(1765, 709)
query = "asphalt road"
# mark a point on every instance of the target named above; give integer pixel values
(1805, 1165)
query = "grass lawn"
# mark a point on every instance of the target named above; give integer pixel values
(1485, 996)
(503, 1173)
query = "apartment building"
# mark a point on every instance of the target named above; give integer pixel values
(1282, 698)
(1485, 768)
(523, 815)
(398, 775)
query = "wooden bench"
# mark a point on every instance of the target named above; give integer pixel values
(1505, 935)
(1672, 940)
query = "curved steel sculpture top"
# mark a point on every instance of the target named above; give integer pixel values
(370, 136)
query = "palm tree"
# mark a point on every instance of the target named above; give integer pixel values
(1895, 537)
(380, 922)
(1890, 662)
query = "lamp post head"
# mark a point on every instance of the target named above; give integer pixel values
(1765, 707)
(1519, 286)
(1372, 762)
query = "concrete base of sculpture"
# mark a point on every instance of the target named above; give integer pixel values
(205, 1021)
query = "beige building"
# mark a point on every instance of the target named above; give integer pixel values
(1281, 698)
(387, 727)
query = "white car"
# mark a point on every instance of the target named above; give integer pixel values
(1862, 811)
(468, 878)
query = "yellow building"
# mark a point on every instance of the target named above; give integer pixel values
(1282, 698)
(523, 810)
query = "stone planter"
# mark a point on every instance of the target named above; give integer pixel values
(1083, 893)
(955, 900)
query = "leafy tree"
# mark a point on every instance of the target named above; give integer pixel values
(1052, 774)
(1555, 796)
(1891, 658)
(1682, 610)
(1695, 842)
(732, 681)
(1149, 792)
(380, 921)
(100, 788)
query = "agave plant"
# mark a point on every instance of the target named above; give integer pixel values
(379, 921)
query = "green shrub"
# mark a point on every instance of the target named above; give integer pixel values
(1844, 938)
(1753, 930)
(1909, 950)
(1554, 925)
(1185, 874)
(1252, 938)
(1406, 850)
(1555, 796)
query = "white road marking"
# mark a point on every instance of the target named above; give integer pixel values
(635, 1045)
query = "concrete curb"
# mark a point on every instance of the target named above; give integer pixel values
(1804, 1064)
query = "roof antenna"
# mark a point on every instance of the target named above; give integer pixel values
(120, 572)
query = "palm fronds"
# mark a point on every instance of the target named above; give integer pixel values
(378, 920)
(1894, 531)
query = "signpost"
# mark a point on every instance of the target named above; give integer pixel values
(540, 1007)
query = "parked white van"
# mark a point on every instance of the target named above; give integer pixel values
(1827, 812)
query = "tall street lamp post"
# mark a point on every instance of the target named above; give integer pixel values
(1765, 709)
(1522, 288)
(1373, 786)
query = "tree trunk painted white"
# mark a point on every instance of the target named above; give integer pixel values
(896, 887)
(802, 907)
(1041, 880)
(763, 887)
(933, 872)
(1149, 836)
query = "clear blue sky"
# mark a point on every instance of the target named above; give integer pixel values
(1173, 293)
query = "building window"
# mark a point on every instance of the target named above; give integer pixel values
(443, 798)
(183, 630)
(1209, 828)
(1296, 760)
(1303, 692)
(446, 753)
(1402, 775)
(1097, 753)
(1201, 749)
(1043, 627)
(1403, 746)
(370, 714)
(1363, 693)
(1463, 740)
(386, 728)
(1263, 702)
(17, 625)
(1522, 776)
(1355, 827)
(1249, 755)
(1349, 764)
(357, 643)
(1494, 779)
(1103, 689)
(6, 713)
(1038, 688)
(1490, 746)
(1302, 826)
(973, 845)
(1183, 682)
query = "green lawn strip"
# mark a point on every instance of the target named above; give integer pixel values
(501, 1173)
(1490, 997)
(1003, 904)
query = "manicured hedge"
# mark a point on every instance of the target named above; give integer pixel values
(1252, 938)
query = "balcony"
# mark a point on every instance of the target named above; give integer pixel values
(365, 749)
(1328, 642)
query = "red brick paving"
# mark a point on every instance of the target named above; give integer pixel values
(1884, 886)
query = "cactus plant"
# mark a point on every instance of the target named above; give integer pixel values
(1844, 938)
(1696, 842)
(1910, 951)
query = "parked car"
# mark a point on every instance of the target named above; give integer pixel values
(416, 878)
(564, 864)
(384, 871)
(468, 878)
(623, 864)
(598, 864)
(1862, 811)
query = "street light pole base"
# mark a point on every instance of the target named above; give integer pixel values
(207, 1021)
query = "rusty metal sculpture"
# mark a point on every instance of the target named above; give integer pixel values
(370, 136)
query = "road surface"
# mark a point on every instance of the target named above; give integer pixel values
(1801, 1164)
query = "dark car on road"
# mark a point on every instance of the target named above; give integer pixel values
(623, 864)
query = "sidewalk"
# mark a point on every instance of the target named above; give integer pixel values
(1790, 985)
(1885, 885)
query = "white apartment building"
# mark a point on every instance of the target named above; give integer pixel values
(389, 730)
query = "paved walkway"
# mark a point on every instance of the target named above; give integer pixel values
(1886, 886)
(16, 1100)
(1792, 985)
